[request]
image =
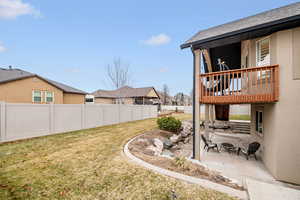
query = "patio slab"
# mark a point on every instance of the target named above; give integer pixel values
(237, 167)
(258, 190)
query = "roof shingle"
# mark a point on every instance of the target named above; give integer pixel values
(123, 92)
(7, 75)
(273, 15)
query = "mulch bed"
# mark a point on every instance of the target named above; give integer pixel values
(138, 148)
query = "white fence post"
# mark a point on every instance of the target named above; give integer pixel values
(2, 122)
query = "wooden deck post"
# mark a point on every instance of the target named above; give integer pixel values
(196, 117)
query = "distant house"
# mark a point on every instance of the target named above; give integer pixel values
(19, 86)
(127, 95)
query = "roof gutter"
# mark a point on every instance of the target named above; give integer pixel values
(245, 30)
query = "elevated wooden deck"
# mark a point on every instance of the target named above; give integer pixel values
(250, 85)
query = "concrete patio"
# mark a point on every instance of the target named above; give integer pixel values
(236, 167)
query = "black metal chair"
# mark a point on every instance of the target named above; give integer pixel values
(252, 148)
(208, 144)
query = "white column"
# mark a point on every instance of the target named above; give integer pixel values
(197, 153)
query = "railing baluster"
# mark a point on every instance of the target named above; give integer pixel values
(259, 84)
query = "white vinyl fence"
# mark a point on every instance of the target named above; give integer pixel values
(20, 121)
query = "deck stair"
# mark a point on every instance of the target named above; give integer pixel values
(240, 127)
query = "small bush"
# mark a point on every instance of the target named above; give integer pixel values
(169, 124)
(180, 162)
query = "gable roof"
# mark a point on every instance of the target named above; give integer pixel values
(124, 92)
(265, 19)
(12, 74)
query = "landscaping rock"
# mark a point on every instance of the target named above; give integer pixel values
(180, 143)
(156, 151)
(186, 129)
(167, 144)
(175, 138)
(158, 144)
(175, 147)
(186, 140)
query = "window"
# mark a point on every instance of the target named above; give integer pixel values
(37, 96)
(49, 97)
(263, 52)
(259, 122)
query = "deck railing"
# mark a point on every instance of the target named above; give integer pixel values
(249, 85)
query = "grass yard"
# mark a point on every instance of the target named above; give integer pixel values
(87, 164)
(240, 117)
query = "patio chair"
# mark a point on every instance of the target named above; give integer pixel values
(208, 144)
(252, 148)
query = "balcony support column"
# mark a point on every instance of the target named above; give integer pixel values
(196, 105)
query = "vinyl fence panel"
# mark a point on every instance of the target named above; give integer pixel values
(20, 121)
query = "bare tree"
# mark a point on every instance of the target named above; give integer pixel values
(118, 73)
(165, 94)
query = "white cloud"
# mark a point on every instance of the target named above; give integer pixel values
(2, 48)
(11, 9)
(163, 69)
(157, 40)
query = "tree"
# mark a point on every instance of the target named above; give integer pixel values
(165, 94)
(118, 73)
(179, 99)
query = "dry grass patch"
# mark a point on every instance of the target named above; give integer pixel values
(86, 164)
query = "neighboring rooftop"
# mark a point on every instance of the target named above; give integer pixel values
(272, 17)
(12, 74)
(124, 92)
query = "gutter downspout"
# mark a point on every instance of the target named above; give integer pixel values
(194, 85)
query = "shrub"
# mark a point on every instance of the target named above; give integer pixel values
(169, 124)
(180, 162)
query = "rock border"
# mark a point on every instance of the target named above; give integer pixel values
(202, 182)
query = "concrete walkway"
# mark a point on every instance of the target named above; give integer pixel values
(258, 190)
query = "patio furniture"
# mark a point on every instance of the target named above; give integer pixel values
(208, 144)
(230, 148)
(252, 148)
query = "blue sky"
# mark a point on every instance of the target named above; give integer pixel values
(73, 41)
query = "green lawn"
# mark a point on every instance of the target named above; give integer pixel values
(87, 164)
(239, 117)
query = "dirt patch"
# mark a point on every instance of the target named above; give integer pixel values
(138, 147)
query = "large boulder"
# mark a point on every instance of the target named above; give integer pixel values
(155, 151)
(186, 129)
(158, 144)
(175, 138)
(186, 140)
(167, 144)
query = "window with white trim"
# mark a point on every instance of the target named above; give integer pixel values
(263, 52)
(37, 96)
(49, 97)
